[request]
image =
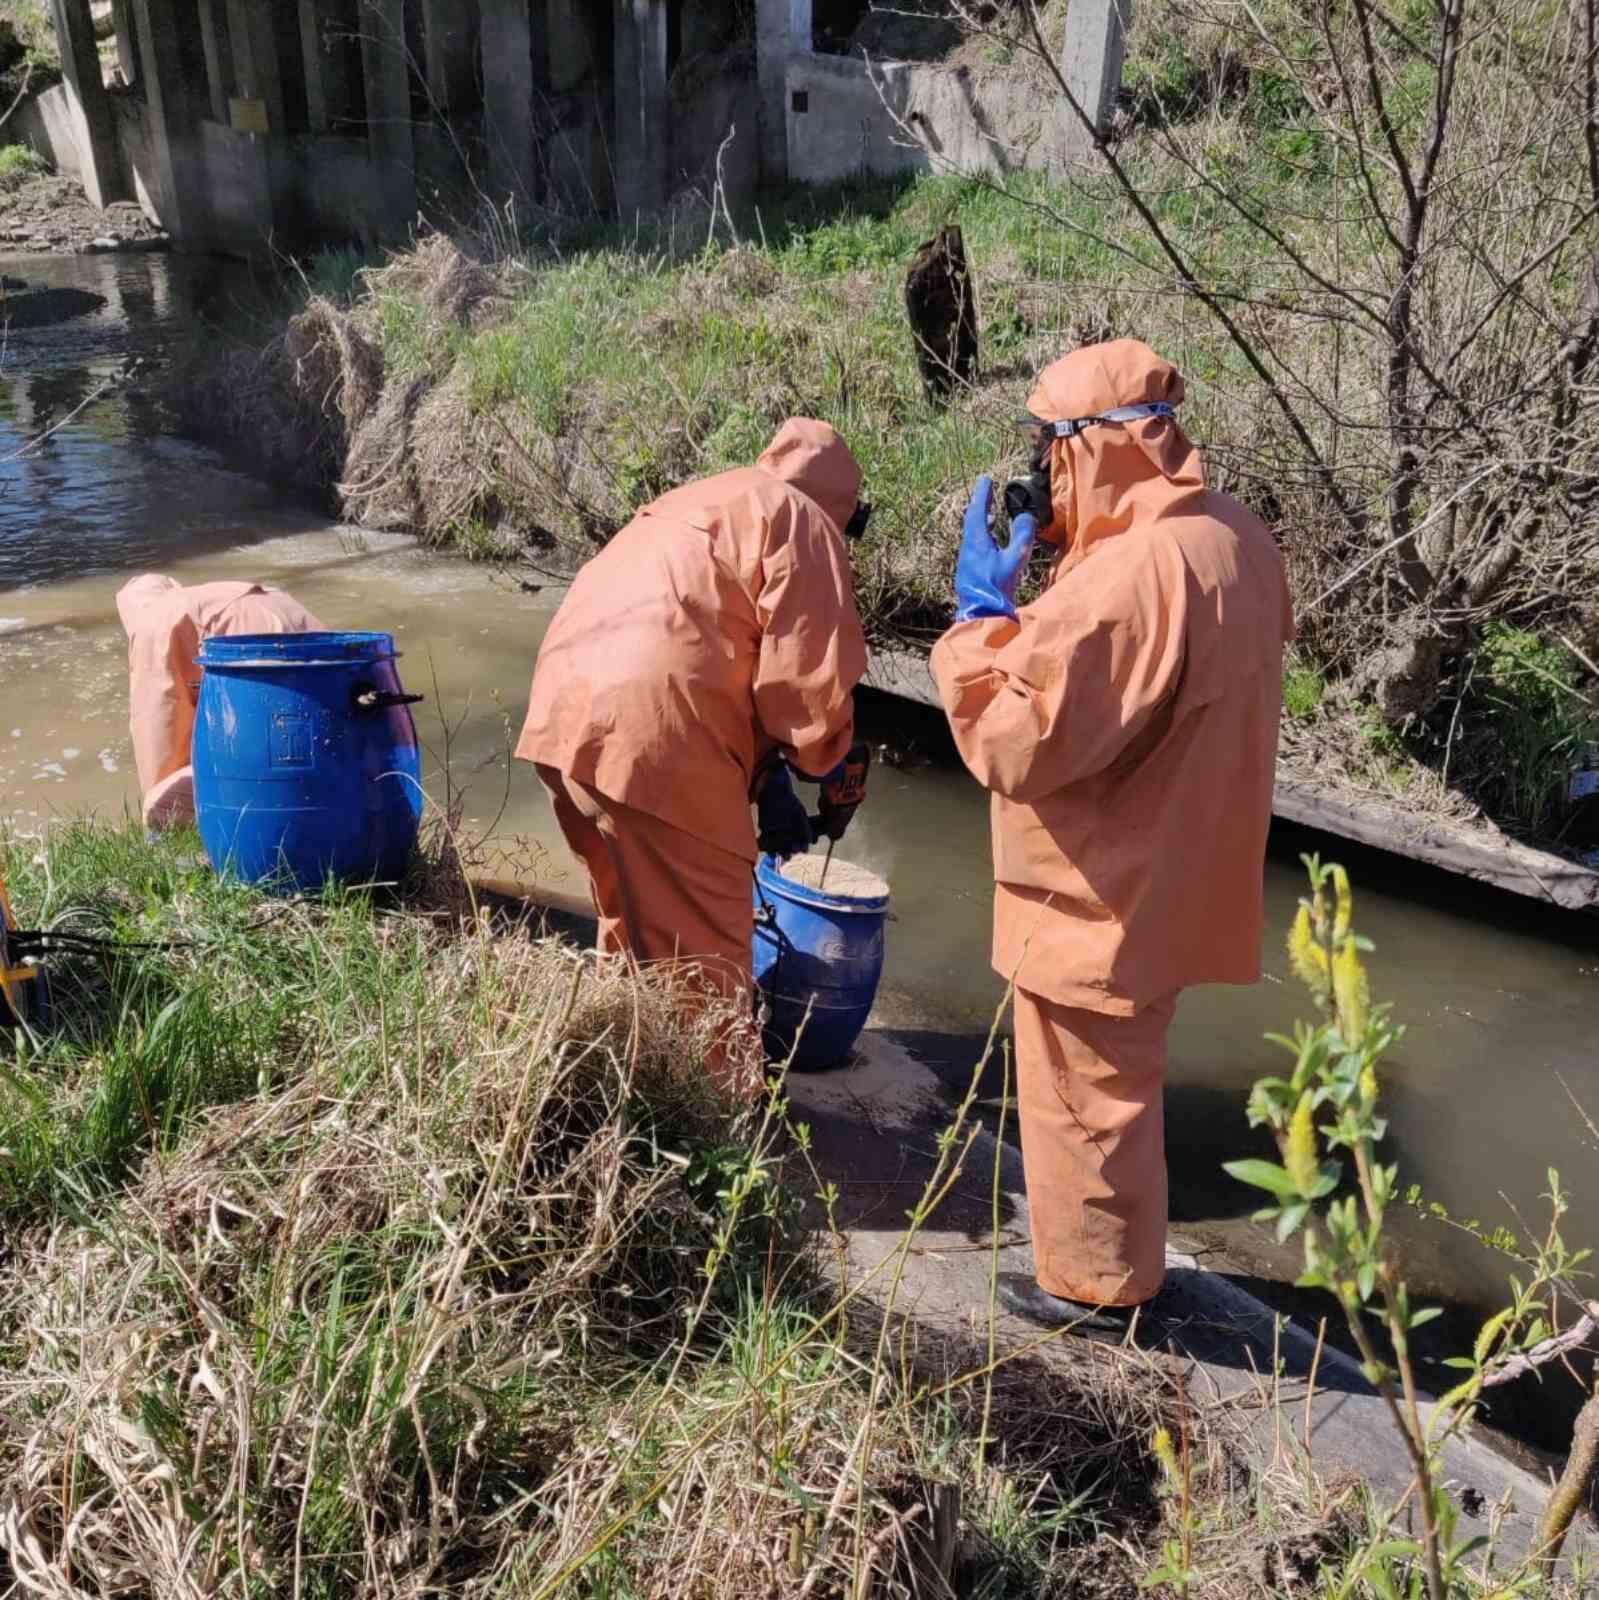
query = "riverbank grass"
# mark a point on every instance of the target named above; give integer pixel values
(521, 404)
(360, 1249)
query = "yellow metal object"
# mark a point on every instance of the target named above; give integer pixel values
(248, 116)
(11, 978)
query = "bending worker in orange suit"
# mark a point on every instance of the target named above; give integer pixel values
(165, 624)
(709, 647)
(1126, 722)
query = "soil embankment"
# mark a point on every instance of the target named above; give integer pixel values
(52, 215)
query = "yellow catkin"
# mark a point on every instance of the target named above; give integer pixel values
(1299, 1148)
(1344, 915)
(1349, 988)
(1161, 1446)
(1307, 958)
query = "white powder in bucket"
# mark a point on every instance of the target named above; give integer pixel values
(844, 878)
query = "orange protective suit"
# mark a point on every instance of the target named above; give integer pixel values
(717, 627)
(1126, 722)
(165, 624)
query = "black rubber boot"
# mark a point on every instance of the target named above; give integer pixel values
(1021, 1295)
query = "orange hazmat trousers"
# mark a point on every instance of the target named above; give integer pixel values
(165, 623)
(1126, 724)
(717, 628)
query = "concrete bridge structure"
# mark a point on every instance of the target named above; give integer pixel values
(250, 124)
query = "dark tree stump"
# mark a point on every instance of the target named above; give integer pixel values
(941, 302)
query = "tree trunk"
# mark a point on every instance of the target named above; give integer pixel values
(941, 302)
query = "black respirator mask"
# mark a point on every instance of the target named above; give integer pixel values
(1034, 495)
(856, 526)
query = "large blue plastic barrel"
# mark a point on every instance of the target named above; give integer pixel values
(306, 763)
(818, 958)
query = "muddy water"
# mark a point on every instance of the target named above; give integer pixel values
(1499, 998)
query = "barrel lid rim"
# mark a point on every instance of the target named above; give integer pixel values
(344, 647)
(802, 894)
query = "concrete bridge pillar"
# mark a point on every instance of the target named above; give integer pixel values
(252, 29)
(386, 71)
(216, 40)
(163, 66)
(97, 134)
(508, 38)
(643, 130)
(327, 28)
(450, 30)
(1096, 43)
(783, 28)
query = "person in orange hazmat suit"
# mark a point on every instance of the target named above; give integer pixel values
(708, 651)
(165, 623)
(1126, 723)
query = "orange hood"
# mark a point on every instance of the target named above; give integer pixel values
(1111, 475)
(810, 456)
(137, 595)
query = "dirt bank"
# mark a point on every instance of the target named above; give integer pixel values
(52, 216)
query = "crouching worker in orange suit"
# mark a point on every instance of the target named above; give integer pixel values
(165, 624)
(1126, 723)
(709, 648)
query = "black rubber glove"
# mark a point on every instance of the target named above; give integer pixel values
(785, 829)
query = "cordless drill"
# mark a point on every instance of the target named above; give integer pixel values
(842, 792)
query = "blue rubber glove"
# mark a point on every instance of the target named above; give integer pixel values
(785, 828)
(986, 577)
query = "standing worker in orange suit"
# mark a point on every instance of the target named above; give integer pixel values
(165, 624)
(709, 648)
(1126, 722)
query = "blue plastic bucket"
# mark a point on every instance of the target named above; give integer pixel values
(306, 763)
(818, 959)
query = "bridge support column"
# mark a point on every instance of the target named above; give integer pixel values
(450, 31)
(1096, 42)
(782, 29)
(162, 68)
(217, 43)
(97, 133)
(643, 131)
(253, 32)
(326, 29)
(508, 90)
(387, 75)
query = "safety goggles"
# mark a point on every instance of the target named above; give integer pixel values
(1041, 432)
